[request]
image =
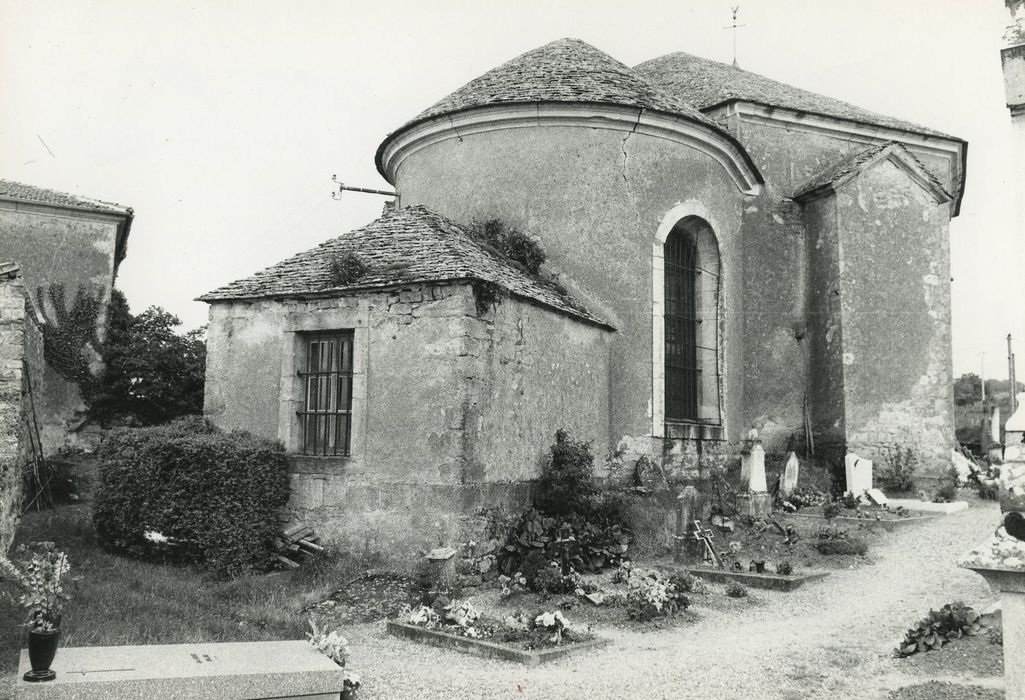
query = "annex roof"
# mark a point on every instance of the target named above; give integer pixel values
(20, 192)
(850, 167)
(706, 84)
(405, 246)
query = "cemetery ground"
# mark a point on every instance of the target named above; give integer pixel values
(831, 638)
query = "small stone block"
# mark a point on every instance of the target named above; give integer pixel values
(927, 507)
(595, 598)
(877, 497)
(441, 554)
(291, 669)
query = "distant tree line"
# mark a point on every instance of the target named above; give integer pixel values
(968, 388)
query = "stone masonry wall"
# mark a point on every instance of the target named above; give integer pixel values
(20, 343)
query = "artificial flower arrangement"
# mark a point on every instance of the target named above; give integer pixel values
(40, 575)
(335, 647)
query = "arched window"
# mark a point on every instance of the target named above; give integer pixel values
(691, 278)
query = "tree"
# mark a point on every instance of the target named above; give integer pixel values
(967, 389)
(152, 374)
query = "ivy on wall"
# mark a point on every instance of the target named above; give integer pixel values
(68, 332)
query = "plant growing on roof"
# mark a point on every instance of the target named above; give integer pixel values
(346, 268)
(509, 242)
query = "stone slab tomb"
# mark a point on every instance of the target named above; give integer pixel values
(239, 671)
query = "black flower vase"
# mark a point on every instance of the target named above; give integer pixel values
(42, 647)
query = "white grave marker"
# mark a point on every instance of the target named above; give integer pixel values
(859, 474)
(790, 472)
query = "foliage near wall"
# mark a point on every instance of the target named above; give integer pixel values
(215, 496)
(151, 373)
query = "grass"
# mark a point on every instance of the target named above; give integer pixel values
(124, 601)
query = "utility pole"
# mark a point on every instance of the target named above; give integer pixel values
(982, 374)
(1010, 375)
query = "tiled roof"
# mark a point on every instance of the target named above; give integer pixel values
(567, 70)
(861, 160)
(706, 84)
(404, 246)
(28, 193)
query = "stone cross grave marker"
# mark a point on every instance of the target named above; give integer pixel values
(705, 536)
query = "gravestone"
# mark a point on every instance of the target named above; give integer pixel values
(291, 669)
(688, 549)
(790, 472)
(859, 474)
(758, 503)
(877, 497)
(1012, 471)
(746, 457)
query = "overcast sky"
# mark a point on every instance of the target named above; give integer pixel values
(222, 122)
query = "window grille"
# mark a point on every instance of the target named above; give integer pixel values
(326, 415)
(682, 368)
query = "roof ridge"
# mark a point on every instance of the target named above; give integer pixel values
(711, 83)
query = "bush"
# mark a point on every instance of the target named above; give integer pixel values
(735, 590)
(215, 496)
(899, 475)
(939, 627)
(346, 268)
(567, 479)
(850, 546)
(510, 242)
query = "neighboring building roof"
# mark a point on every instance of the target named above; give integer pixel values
(707, 84)
(404, 246)
(849, 167)
(566, 70)
(39, 195)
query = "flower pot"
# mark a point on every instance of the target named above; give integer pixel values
(42, 647)
(759, 567)
(349, 693)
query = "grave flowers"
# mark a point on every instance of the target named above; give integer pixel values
(335, 647)
(40, 576)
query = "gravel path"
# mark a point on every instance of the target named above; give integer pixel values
(831, 639)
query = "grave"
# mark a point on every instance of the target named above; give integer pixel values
(756, 503)
(250, 670)
(488, 649)
(688, 549)
(859, 474)
(788, 482)
(927, 507)
(775, 582)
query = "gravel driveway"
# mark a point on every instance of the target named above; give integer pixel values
(831, 639)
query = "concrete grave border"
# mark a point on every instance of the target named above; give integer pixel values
(775, 582)
(490, 650)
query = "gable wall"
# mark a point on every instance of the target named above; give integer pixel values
(68, 254)
(895, 296)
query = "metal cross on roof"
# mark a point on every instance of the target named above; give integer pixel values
(735, 27)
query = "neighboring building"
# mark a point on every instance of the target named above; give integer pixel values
(749, 255)
(68, 249)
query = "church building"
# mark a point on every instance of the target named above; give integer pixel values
(724, 253)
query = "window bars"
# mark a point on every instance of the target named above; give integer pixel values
(326, 415)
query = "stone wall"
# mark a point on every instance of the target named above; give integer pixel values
(20, 346)
(67, 257)
(431, 404)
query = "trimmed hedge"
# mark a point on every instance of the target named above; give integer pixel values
(217, 495)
